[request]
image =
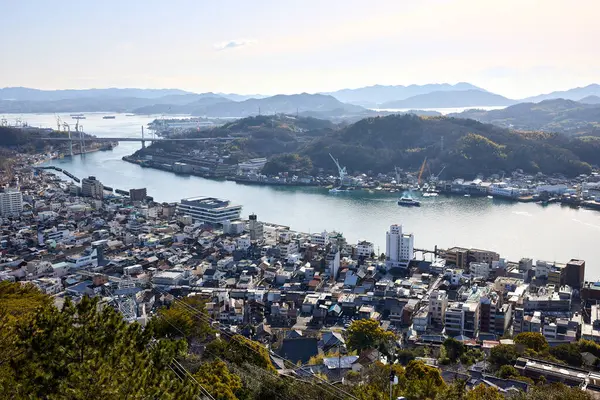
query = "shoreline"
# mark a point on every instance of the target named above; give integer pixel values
(590, 205)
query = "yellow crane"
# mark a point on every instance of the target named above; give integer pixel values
(421, 171)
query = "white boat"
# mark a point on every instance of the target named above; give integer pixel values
(467, 195)
(338, 190)
(408, 202)
(490, 197)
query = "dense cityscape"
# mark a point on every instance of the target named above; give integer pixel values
(297, 293)
(316, 200)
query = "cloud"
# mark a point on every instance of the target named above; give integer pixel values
(232, 44)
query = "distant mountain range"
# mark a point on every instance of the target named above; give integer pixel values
(27, 94)
(340, 104)
(557, 115)
(572, 94)
(288, 104)
(449, 99)
(590, 100)
(373, 96)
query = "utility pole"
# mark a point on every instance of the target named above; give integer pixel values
(391, 381)
(339, 363)
(392, 375)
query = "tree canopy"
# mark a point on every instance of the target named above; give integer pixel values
(82, 351)
(532, 340)
(367, 334)
(504, 354)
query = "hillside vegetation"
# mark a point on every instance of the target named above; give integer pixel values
(464, 146)
(559, 115)
(84, 351)
(469, 147)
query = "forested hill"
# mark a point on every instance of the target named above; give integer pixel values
(466, 147)
(557, 115)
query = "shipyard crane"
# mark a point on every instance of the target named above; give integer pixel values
(421, 171)
(58, 123)
(342, 171)
(436, 177)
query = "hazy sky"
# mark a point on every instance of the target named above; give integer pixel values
(513, 47)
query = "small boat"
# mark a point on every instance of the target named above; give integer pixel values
(490, 197)
(408, 202)
(467, 195)
(338, 190)
(109, 117)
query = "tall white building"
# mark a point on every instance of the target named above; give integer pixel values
(11, 203)
(399, 247)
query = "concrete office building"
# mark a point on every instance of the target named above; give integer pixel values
(11, 203)
(574, 274)
(209, 210)
(138, 194)
(255, 228)
(91, 187)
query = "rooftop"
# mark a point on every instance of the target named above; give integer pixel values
(207, 202)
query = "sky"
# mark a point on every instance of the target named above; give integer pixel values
(516, 48)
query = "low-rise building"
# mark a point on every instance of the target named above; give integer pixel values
(209, 210)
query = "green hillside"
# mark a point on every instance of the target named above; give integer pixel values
(464, 146)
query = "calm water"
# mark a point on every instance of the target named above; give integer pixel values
(514, 230)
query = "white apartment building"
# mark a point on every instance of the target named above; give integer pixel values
(479, 270)
(88, 258)
(438, 302)
(209, 209)
(320, 239)
(58, 236)
(11, 203)
(364, 248)
(285, 249)
(399, 248)
(243, 242)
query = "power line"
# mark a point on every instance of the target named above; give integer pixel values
(202, 388)
(231, 336)
(278, 395)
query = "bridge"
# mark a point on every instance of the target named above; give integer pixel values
(135, 139)
(82, 138)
